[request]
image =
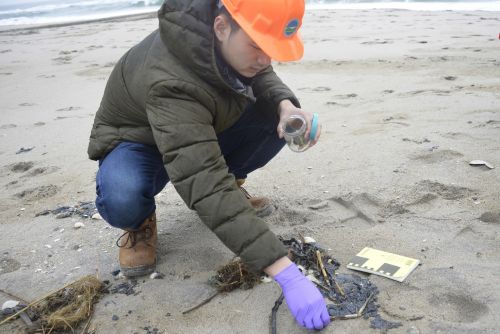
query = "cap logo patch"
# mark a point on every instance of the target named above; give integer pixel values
(291, 27)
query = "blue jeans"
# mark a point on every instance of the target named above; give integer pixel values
(133, 173)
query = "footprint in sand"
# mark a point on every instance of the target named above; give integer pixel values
(333, 103)
(347, 96)
(7, 126)
(438, 156)
(26, 104)
(377, 41)
(449, 192)
(491, 217)
(41, 170)
(416, 141)
(63, 60)
(46, 76)
(21, 167)
(33, 194)
(94, 47)
(8, 265)
(39, 124)
(491, 122)
(316, 89)
(457, 307)
(69, 109)
(68, 52)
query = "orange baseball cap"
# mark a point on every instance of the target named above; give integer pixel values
(272, 24)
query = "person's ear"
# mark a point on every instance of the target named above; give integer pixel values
(222, 28)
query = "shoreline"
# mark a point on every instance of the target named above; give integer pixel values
(128, 17)
(391, 7)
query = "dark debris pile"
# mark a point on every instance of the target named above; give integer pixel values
(351, 296)
(82, 209)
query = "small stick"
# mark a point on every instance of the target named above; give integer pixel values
(203, 302)
(355, 315)
(322, 267)
(327, 290)
(274, 312)
(87, 325)
(362, 309)
(339, 288)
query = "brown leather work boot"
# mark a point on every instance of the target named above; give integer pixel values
(138, 249)
(262, 205)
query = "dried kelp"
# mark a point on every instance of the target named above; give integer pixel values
(65, 308)
(234, 275)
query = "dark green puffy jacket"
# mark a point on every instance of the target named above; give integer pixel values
(167, 91)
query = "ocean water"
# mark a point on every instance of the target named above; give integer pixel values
(21, 12)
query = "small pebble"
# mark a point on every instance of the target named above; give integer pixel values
(96, 216)
(48, 246)
(116, 272)
(115, 317)
(156, 275)
(78, 225)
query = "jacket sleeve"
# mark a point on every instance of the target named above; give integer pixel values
(183, 131)
(268, 86)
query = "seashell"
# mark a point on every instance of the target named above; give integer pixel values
(9, 304)
(265, 279)
(309, 240)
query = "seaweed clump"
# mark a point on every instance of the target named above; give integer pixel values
(234, 275)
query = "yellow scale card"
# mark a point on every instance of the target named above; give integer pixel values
(382, 263)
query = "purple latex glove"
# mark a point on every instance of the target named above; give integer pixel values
(303, 299)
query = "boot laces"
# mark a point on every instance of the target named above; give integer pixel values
(135, 236)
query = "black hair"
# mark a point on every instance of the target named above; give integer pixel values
(234, 25)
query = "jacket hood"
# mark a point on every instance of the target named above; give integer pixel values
(186, 28)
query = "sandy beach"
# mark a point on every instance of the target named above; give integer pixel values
(407, 99)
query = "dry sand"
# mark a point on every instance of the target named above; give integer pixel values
(407, 99)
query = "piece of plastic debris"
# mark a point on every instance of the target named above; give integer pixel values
(24, 150)
(481, 163)
(79, 225)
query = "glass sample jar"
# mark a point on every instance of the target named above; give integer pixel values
(294, 130)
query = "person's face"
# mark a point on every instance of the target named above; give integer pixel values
(239, 50)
